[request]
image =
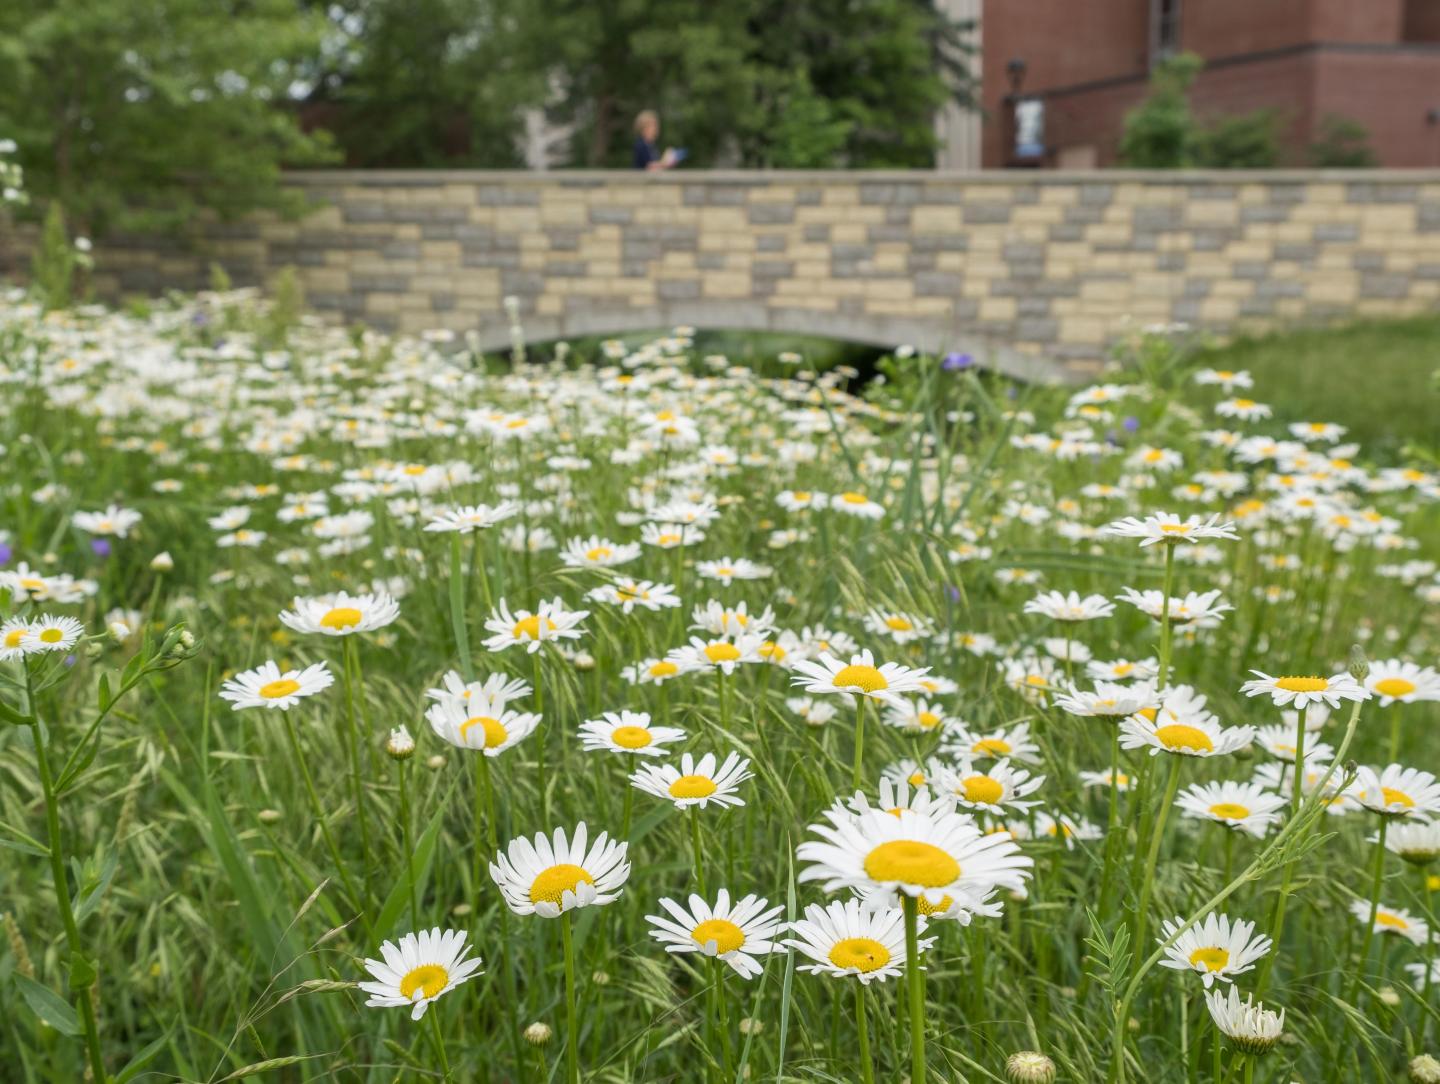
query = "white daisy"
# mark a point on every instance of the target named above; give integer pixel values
(859, 677)
(1252, 1027)
(480, 723)
(736, 935)
(549, 623)
(548, 875)
(628, 732)
(341, 614)
(50, 633)
(267, 687)
(466, 518)
(1169, 528)
(1395, 681)
(695, 783)
(1303, 691)
(1392, 920)
(1397, 791)
(1247, 807)
(1217, 947)
(597, 552)
(848, 939)
(420, 969)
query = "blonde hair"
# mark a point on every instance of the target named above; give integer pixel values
(644, 117)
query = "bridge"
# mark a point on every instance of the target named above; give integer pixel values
(1035, 273)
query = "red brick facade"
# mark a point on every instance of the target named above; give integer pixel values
(1373, 61)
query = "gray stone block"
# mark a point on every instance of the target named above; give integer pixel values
(1336, 231)
(1393, 287)
(938, 284)
(770, 214)
(770, 242)
(985, 212)
(611, 216)
(816, 233)
(677, 289)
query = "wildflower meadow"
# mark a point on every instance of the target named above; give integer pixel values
(376, 710)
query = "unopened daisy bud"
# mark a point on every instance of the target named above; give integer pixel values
(1359, 665)
(600, 978)
(1029, 1067)
(1424, 1069)
(435, 763)
(162, 562)
(119, 631)
(460, 910)
(538, 1033)
(400, 745)
(269, 816)
(584, 661)
(1389, 997)
(750, 1025)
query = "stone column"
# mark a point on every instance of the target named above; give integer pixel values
(958, 129)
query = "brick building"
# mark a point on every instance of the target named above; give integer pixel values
(1088, 61)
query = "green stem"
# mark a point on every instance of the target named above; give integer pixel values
(352, 737)
(402, 767)
(62, 885)
(457, 609)
(915, 980)
(1165, 633)
(1299, 781)
(1375, 884)
(341, 870)
(857, 774)
(572, 1022)
(439, 1043)
(722, 1014)
(862, 1030)
(1157, 834)
(696, 848)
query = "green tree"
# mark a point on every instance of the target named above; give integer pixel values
(1342, 143)
(1242, 141)
(1161, 132)
(138, 114)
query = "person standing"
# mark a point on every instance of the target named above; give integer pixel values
(647, 153)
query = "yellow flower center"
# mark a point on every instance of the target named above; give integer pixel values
(910, 861)
(598, 553)
(927, 908)
(927, 719)
(668, 539)
(1394, 922)
(1211, 959)
(51, 636)
(1244, 404)
(663, 668)
(552, 884)
(727, 936)
(722, 652)
(529, 627)
(859, 676)
(15, 637)
(1229, 811)
(495, 732)
(771, 650)
(898, 624)
(692, 786)
(276, 689)
(1302, 684)
(1394, 686)
(864, 954)
(854, 498)
(991, 747)
(342, 617)
(427, 980)
(1180, 736)
(983, 789)
(801, 496)
(1175, 528)
(630, 737)
(1397, 797)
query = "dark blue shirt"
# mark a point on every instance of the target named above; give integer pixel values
(644, 153)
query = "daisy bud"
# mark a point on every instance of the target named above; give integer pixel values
(1359, 664)
(268, 816)
(584, 661)
(435, 763)
(538, 1034)
(1424, 1070)
(119, 630)
(750, 1025)
(1389, 997)
(460, 910)
(1029, 1067)
(600, 978)
(400, 745)
(162, 562)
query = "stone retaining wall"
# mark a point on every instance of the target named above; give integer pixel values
(1037, 271)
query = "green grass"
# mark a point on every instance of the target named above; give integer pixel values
(1374, 377)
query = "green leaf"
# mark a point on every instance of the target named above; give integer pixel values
(82, 972)
(399, 896)
(92, 894)
(10, 715)
(48, 1006)
(140, 1060)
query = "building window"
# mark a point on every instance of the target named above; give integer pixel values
(1164, 29)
